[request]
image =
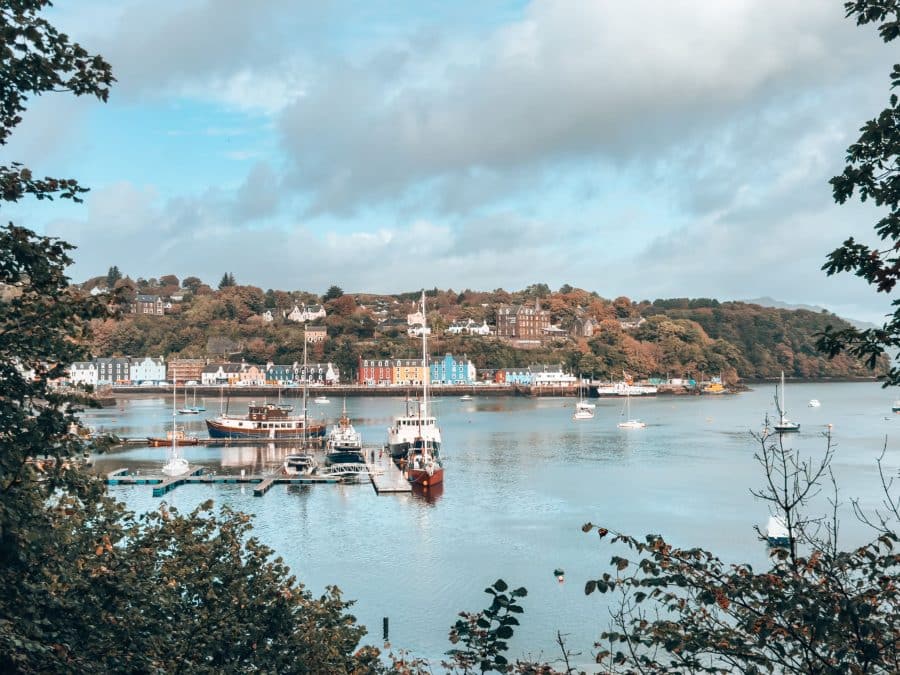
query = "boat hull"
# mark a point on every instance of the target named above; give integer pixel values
(344, 456)
(422, 478)
(787, 428)
(167, 442)
(220, 430)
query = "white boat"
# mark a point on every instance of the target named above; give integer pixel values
(321, 400)
(583, 409)
(626, 388)
(814, 403)
(630, 422)
(465, 397)
(302, 464)
(175, 465)
(784, 425)
(344, 443)
(896, 407)
(776, 532)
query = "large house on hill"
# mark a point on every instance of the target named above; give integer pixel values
(522, 322)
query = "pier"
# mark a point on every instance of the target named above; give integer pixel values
(384, 476)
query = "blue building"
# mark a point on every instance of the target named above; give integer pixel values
(517, 376)
(450, 371)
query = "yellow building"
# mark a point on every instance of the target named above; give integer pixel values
(409, 371)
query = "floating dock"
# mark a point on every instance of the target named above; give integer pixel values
(382, 473)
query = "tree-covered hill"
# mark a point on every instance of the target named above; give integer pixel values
(675, 337)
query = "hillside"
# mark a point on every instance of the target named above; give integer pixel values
(673, 337)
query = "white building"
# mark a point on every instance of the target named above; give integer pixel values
(308, 313)
(416, 331)
(83, 373)
(551, 376)
(469, 327)
(267, 316)
(216, 374)
(147, 370)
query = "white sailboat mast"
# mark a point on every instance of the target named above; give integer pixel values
(174, 435)
(425, 373)
(305, 381)
(782, 398)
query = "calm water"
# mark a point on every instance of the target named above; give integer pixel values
(521, 478)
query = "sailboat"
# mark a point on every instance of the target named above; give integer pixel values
(423, 467)
(583, 409)
(186, 409)
(175, 464)
(776, 532)
(784, 425)
(195, 407)
(630, 423)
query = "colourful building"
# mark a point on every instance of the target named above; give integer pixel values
(409, 371)
(450, 371)
(373, 372)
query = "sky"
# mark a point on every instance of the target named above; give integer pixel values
(654, 148)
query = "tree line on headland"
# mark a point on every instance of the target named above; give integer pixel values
(678, 337)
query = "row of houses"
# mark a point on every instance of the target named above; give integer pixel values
(444, 370)
(536, 376)
(155, 371)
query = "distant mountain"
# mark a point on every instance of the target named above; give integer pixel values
(778, 304)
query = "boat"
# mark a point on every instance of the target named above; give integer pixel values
(583, 409)
(784, 425)
(465, 397)
(179, 436)
(344, 443)
(302, 464)
(777, 533)
(175, 465)
(814, 403)
(263, 421)
(321, 400)
(896, 407)
(626, 388)
(630, 422)
(423, 465)
(185, 409)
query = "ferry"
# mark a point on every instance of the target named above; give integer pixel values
(626, 389)
(266, 421)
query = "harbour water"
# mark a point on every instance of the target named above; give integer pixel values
(521, 478)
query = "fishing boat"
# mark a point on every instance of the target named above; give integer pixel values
(405, 429)
(175, 465)
(178, 435)
(302, 464)
(423, 465)
(776, 532)
(344, 443)
(784, 425)
(263, 421)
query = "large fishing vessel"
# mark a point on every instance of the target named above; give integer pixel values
(266, 421)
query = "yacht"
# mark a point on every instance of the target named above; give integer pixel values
(784, 425)
(302, 464)
(344, 443)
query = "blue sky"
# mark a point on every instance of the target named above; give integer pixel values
(649, 148)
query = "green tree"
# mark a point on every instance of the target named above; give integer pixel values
(191, 283)
(873, 173)
(112, 276)
(332, 293)
(226, 281)
(84, 585)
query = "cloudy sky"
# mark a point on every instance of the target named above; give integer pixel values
(650, 148)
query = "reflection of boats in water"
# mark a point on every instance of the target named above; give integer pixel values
(263, 422)
(344, 443)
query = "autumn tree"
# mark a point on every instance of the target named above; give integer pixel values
(84, 585)
(873, 174)
(332, 293)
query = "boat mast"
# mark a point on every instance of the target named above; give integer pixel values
(305, 381)
(425, 373)
(781, 410)
(174, 435)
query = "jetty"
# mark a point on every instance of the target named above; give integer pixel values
(384, 476)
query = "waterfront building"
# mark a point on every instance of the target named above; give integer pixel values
(281, 375)
(251, 376)
(515, 376)
(113, 370)
(218, 374)
(148, 370)
(83, 373)
(372, 372)
(409, 372)
(318, 374)
(448, 370)
(184, 370)
(551, 376)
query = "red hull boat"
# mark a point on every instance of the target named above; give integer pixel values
(424, 478)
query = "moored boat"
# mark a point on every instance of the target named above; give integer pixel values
(784, 425)
(263, 421)
(302, 464)
(344, 443)
(776, 532)
(180, 438)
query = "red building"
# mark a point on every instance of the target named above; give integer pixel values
(376, 371)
